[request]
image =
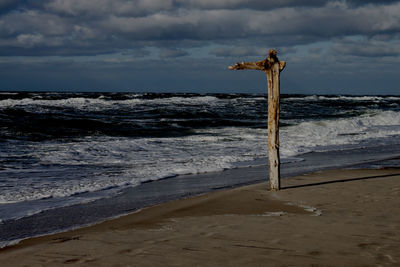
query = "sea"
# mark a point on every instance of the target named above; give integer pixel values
(74, 159)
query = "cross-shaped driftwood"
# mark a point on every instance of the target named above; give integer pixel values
(272, 68)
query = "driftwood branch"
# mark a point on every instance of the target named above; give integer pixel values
(272, 68)
(248, 66)
(263, 65)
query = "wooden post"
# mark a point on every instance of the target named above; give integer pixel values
(272, 68)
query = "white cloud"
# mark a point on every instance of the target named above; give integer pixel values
(29, 40)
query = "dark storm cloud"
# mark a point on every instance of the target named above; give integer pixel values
(101, 8)
(109, 40)
(367, 2)
(248, 4)
(145, 7)
(6, 5)
(62, 27)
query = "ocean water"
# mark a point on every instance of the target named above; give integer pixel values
(63, 149)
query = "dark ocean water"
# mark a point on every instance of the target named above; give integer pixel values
(50, 116)
(62, 149)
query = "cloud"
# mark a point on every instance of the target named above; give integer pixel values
(368, 2)
(172, 53)
(367, 48)
(247, 4)
(146, 7)
(33, 21)
(231, 27)
(325, 22)
(101, 8)
(238, 51)
(121, 44)
(7, 3)
(137, 53)
(29, 40)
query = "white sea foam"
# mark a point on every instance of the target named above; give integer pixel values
(4, 244)
(343, 98)
(132, 161)
(122, 161)
(93, 104)
(101, 103)
(323, 134)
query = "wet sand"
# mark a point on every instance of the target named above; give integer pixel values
(330, 218)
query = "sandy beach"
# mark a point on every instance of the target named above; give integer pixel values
(330, 218)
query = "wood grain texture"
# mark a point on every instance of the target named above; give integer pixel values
(272, 68)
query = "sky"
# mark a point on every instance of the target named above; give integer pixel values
(330, 47)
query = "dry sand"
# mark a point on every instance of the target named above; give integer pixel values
(332, 218)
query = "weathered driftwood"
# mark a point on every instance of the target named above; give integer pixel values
(272, 68)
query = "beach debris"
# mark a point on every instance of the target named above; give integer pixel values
(272, 68)
(274, 214)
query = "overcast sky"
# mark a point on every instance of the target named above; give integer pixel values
(331, 47)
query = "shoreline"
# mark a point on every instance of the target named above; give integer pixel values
(334, 216)
(131, 199)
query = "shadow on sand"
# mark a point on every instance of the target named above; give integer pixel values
(341, 181)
